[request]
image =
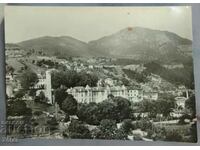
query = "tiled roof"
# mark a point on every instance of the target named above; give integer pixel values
(116, 88)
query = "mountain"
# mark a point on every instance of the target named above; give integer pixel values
(143, 44)
(136, 43)
(63, 45)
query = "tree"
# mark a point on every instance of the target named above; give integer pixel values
(127, 126)
(19, 94)
(89, 113)
(71, 78)
(18, 108)
(176, 76)
(28, 79)
(78, 130)
(122, 108)
(69, 105)
(191, 105)
(108, 130)
(139, 77)
(60, 95)
(165, 106)
(106, 110)
(87, 79)
(115, 108)
(144, 124)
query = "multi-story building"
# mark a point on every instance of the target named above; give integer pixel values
(98, 94)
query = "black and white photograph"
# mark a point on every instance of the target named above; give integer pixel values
(106, 73)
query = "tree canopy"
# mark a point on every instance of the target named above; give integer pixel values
(28, 79)
(18, 108)
(71, 78)
(69, 105)
(161, 106)
(78, 130)
(60, 95)
(191, 105)
(176, 76)
(108, 130)
(117, 109)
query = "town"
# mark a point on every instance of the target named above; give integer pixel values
(80, 97)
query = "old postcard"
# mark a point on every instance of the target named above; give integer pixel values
(122, 73)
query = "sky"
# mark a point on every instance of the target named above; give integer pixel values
(91, 23)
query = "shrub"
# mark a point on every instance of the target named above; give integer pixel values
(143, 124)
(78, 130)
(108, 130)
(127, 126)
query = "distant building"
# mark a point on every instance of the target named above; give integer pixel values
(175, 66)
(98, 94)
(155, 78)
(150, 95)
(109, 81)
(135, 67)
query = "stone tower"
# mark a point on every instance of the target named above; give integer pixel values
(48, 90)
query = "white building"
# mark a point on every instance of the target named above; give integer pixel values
(98, 94)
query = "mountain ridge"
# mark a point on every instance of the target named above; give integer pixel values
(132, 42)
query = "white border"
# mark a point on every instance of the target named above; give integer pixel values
(100, 1)
(104, 147)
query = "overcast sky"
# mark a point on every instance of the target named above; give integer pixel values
(90, 23)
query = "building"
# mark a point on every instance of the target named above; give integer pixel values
(150, 95)
(48, 91)
(9, 90)
(155, 78)
(44, 85)
(98, 94)
(174, 66)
